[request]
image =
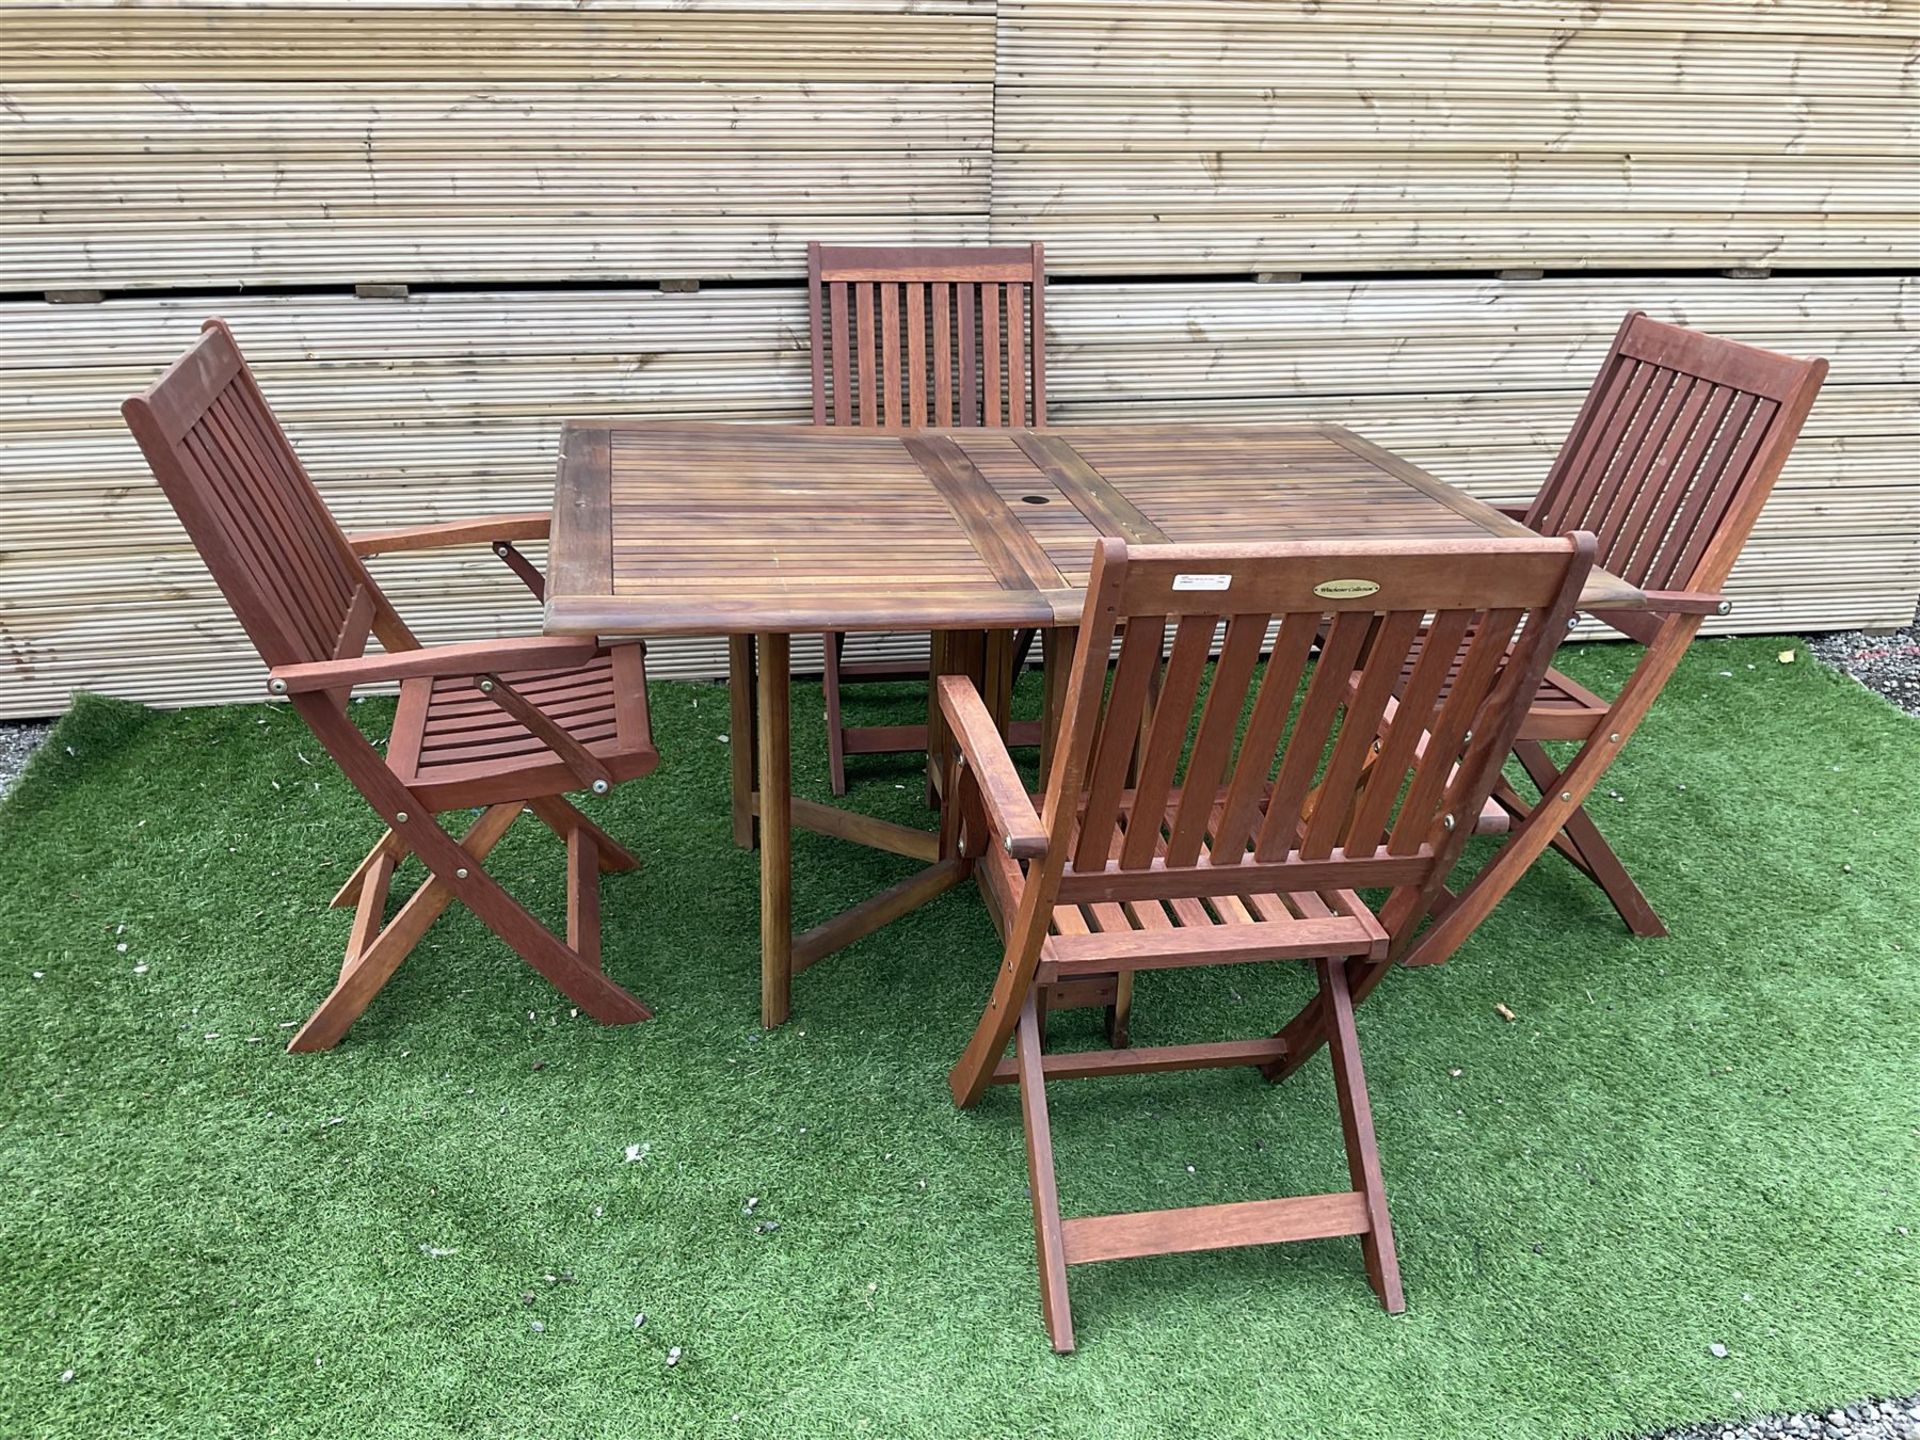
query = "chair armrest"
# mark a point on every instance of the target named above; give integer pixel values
(1009, 807)
(1688, 602)
(471, 657)
(483, 529)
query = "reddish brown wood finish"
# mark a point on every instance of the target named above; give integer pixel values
(1151, 849)
(505, 725)
(1674, 453)
(1672, 456)
(680, 527)
(975, 313)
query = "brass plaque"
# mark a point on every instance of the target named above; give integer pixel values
(1346, 589)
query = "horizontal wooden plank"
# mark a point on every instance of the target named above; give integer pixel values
(1213, 1227)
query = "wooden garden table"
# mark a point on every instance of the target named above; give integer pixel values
(758, 532)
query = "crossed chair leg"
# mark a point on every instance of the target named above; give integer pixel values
(1361, 1210)
(377, 945)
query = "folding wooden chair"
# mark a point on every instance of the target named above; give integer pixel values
(505, 725)
(1669, 462)
(973, 323)
(1243, 847)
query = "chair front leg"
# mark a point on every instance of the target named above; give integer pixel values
(1356, 1129)
(375, 952)
(1049, 1242)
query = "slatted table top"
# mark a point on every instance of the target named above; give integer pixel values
(664, 527)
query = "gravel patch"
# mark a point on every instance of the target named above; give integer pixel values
(18, 740)
(1869, 1420)
(1886, 664)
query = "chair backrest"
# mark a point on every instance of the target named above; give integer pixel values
(253, 513)
(1674, 452)
(928, 335)
(1268, 788)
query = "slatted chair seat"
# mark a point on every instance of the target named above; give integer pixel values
(1093, 939)
(1241, 822)
(452, 745)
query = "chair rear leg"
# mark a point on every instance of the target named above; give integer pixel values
(583, 896)
(388, 846)
(564, 818)
(831, 646)
(1356, 1127)
(1049, 1246)
(1593, 854)
(1120, 1013)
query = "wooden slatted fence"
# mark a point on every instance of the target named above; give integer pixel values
(535, 149)
(431, 408)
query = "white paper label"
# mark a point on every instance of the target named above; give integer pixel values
(1202, 582)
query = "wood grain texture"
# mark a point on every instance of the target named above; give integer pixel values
(732, 529)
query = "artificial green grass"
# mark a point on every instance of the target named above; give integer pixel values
(1709, 1139)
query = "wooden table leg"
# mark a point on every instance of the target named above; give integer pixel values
(774, 744)
(742, 737)
(1056, 650)
(936, 736)
(996, 677)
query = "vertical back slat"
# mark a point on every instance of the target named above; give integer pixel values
(990, 354)
(1552, 511)
(838, 302)
(1213, 741)
(968, 318)
(916, 353)
(1647, 392)
(980, 308)
(1419, 698)
(261, 516)
(1661, 473)
(252, 510)
(864, 297)
(1016, 364)
(890, 351)
(1037, 335)
(1119, 728)
(1609, 519)
(942, 355)
(1713, 468)
(1274, 702)
(1326, 693)
(1380, 670)
(816, 334)
(1486, 651)
(285, 492)
(248, 545)
(1636, 562)
(1166, 736)
(1700, 534)
(1674, 451)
